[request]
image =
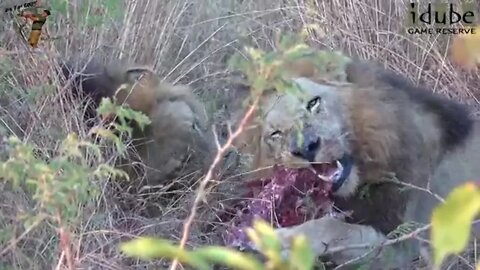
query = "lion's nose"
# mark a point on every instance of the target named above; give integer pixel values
(307, 146)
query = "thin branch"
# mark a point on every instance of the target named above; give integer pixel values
(383, 244)
(208, 177)
(402, 238)
(64, 238)
(426, 190)
(60, 261)
(374, 247)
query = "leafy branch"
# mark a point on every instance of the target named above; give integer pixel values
(58, 185)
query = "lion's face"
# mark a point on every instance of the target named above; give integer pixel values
(179, 117)
(310, 130)
(174, 111)
(178, 139)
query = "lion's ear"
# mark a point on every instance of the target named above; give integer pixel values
(143, 75)
(300, 68)
(138, 89)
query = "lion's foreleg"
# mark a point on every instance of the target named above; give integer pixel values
(344, 243)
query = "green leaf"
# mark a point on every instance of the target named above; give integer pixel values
(105, 171)
(255, 54)
(228, 257)
(270, 58)
(106, 106)
(151, 248)
(451, 221)
(298, 51)
(267, 234)
(264, 238)
(302, 257)
(238, 62)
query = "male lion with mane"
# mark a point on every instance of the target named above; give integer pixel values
(375, 126)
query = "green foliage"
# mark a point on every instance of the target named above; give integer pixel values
(404, 228)
(451, 221)
(266, 71)
(64, 183)
(125, 116)
(125, 119)
(263, 236)
(59, 184)
(149, 248)
(228, 257)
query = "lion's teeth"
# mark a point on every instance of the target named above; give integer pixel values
(330, 177)
(339, 171)
(324, 178)
(339, 166)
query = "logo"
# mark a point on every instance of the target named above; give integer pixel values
(33, 12)
(18, 7)
(441, 18)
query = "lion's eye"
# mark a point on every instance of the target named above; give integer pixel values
(313, 104)
(276, 134)
(195, 126)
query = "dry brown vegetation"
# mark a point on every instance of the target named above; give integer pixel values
(186, 41)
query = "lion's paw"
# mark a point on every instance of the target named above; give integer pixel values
(319, 232)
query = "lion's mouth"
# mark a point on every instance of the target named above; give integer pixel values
(335, 172)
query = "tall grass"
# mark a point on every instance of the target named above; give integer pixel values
(186, 41)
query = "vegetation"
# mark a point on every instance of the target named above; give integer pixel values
(59, 208)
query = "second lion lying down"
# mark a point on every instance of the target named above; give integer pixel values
(378, 126)
(179, 140)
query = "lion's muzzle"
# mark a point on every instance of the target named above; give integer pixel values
(307, 145)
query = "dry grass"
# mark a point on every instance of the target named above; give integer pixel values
(187, 41)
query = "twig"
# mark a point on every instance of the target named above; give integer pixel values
(354, 259)
(374, 247)
(201, 189)
(60, 260)
(390, 242)
(426, 190)
(385, 243)
(65, 246)
(64, 238)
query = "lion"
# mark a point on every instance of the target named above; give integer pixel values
(376, 131)
(179, 133)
